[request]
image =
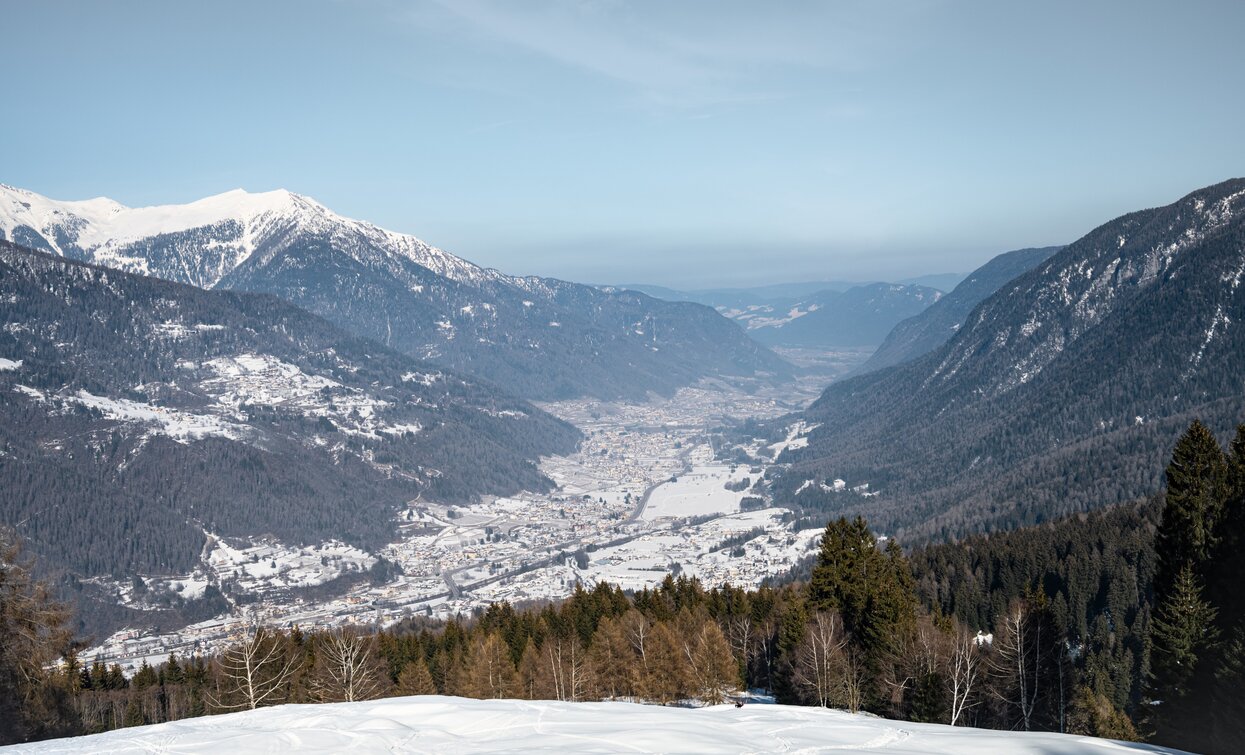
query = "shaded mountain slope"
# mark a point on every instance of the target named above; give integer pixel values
(1061, 392)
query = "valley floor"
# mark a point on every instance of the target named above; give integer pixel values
(641, 498)
(455, 725)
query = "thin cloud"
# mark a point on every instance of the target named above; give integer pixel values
(690, 55)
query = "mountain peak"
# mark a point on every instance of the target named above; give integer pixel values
(199, 242)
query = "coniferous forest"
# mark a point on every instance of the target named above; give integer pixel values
(1122, 624)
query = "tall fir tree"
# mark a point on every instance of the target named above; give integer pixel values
(848, 563)
(1187, 578)
(1182, 631)
(1196, 483)
(1224, 671)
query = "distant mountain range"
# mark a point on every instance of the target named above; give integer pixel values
(537, 337)
(138, 416)
(934, 326)
(858, 317)
(1063, 391)
(822, 315)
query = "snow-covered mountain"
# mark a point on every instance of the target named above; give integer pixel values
(1062, 391)
(934, 326)
(456, 725)
(138, 415)
(540, 337)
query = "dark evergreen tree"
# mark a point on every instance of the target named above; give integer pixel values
(1196, 480)
(848, 563)
(1224, 672)
(1185, 628)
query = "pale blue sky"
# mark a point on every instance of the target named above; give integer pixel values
(682, 143)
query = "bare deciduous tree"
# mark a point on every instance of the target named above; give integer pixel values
(819, 658)
(1017, 661)
(963, 672)
(741, 633)
(346, 669)
(568, 665)
(254, 672)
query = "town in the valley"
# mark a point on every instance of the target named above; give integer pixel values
(647, 494)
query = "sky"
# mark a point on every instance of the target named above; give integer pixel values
(684, 143)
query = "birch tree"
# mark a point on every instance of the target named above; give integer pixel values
(819, 658)
(254, 672)
(964, 672)
(346, 668)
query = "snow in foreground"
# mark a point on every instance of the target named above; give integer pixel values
(456, 725)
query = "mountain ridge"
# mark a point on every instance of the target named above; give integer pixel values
(1062, 390)
(539, 337)
(933, 326)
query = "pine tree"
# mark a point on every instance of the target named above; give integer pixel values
(847, 562)
(1183, 628)
(1196, 482)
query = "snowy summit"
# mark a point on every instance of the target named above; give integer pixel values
(203, 241)
(456, 725)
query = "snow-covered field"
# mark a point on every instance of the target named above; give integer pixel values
(701, 491)
(269, 564)
(454, 725)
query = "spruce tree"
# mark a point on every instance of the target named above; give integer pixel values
(1196, 539)
(1225, 669)
(891, 605)
(848, 563)
(133, 713)
(1183, 628)
(1196, 482)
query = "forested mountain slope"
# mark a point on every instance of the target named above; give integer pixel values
(137, 414)
(934, 326)
(1060, 393)
(833, 314)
